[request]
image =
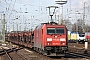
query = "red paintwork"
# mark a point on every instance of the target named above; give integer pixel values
(88, 37)
(40, 39)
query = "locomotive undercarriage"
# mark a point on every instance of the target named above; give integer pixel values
(53, 51)
(56, 51)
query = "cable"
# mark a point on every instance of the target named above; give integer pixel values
(13, 7)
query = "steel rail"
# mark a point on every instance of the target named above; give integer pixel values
(7, 51)
(21, 56)
(78, 54)
(10, 58)
(15, 50)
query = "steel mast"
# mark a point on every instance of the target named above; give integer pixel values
(61, 2)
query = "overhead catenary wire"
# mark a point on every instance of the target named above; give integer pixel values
(7, 7)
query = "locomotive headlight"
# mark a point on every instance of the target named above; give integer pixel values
(63, 43)
(62, 39)
(49, 39)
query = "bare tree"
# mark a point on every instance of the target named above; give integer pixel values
(68, 24)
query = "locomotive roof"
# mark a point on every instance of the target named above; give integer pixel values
(40, 25)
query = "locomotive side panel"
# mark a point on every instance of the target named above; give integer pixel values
(38, 39)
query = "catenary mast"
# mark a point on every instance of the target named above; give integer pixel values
(61, 2)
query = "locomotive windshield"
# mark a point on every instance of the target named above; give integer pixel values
(81, 34)
(50, 30)
(60, 30)
(55, 30)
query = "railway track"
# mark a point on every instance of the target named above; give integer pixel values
(12, 54)
(73, 54)
(21, 54)
(78, 48)
(28, 54)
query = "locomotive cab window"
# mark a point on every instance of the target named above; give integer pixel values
(50, 30)
(60, 30)
(82, 35)
(55, 30)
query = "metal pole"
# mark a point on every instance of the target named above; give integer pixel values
(55, 18)
(25, 24)
(51, 18)
(61, 2)
(70, 6)
(17, 27)
(76, 24)
(13, 26)
(6, 27)
(20, 27)
(3, 29)
(58, 18)
(84, 18)
(61, 14)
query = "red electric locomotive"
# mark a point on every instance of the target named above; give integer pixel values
(51, 39)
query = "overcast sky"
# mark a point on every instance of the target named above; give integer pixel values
(37, 10)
